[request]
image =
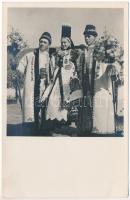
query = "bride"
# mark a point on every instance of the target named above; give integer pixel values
(63, 62)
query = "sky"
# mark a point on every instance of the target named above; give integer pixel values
(32, 22)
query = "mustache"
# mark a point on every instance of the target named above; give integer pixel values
(42, 46)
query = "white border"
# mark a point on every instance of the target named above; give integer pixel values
(28, 1)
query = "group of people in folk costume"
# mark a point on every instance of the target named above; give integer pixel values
(55, 81)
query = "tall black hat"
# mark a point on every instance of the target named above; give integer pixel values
(90, 30)
(66, 31)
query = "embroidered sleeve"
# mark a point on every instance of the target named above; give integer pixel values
(52, 66)
(23, 64)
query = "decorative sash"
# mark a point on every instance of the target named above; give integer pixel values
(36, 87)
(61, 82)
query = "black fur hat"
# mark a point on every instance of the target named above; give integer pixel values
(90, 30)
(47, 36)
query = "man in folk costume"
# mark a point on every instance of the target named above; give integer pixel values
(87, 74)
(35, 66)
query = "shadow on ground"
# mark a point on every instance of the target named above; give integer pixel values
(27, 130)
(16, 128)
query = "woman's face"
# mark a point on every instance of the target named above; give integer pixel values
(43, 44)
(89, 39)
(65, 43)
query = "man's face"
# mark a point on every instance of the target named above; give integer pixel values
(43, 44)
(65, 44)
(89, 39)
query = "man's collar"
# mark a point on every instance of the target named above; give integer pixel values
(44, 52)
(91, 46)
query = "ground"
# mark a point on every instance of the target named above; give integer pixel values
(15, 127)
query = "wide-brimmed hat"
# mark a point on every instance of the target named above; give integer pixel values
(90, 30)
(47, 36)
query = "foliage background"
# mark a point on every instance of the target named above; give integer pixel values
(15, 45)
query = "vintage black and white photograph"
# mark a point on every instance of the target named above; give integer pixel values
(65, 72)
(65, 100)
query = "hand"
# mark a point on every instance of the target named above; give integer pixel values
(61, 53)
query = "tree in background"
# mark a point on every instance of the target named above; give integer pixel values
(15, 44)
(15, 80)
